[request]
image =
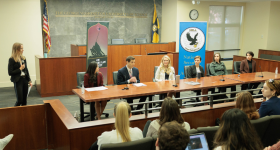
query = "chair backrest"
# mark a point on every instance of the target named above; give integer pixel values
(142, 144)
(208, 69)
(272, 134)
(236, 66)
(80, 79)
(117, 41)
(186, 71)
(209, 133)
(274, 57)
(115, 77)
(140, 40)
(146, 127)
(265, 56)
(192, 131)
(155, 70)
(261, 125)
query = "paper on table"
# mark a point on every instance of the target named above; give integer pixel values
(96, 88)
(192, 83)
(29, 88)
(139, 84)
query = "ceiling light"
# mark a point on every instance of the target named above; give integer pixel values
(193, 2)
(198, 2)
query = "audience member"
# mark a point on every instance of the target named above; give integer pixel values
(123, 132)
(245, 102)
(94, 78)
(165, 72)
(219, 68)
(172, 136)
(129, 74)
(248, 65)
(169, 112)
(271, 89)
(236, 132)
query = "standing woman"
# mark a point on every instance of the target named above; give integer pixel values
(94, 78)
(165, 72)
(17, 69)
(218, 68)
(248, 65)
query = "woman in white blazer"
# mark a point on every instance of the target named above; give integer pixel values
(165, 72)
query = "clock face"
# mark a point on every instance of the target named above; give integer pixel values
(194, 14)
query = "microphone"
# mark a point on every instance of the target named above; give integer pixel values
(146, 51)
(125, 88)
(223, 79)
(261, 72)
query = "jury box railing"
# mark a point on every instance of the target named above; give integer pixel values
(211, 101)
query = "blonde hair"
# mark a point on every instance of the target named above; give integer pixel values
(122, 112)
(16, 54)
(162, 65)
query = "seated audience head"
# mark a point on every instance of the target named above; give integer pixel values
(249, 55)
(245, 102)
(170, 111)
(172, 136)
(197, 60)
(271, 88)
(122, 113)
(217, 57)
(236, 132)
(130, 61)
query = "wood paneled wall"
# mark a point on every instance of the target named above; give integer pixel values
(268, 52)
(266, 64)
(27, 123)
(78, 50)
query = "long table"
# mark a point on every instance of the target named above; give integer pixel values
(152, 88)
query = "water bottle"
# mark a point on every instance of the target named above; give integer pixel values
(83, 88)
(276, 70)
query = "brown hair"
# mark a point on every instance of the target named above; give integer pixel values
(16, 54)
(197, 57)
(219, 57)
(169, 112)
(251, 53)
(129, 58)
(237, 132)
(122, 112)
(274, 85)
(172, 136)
(245, 102)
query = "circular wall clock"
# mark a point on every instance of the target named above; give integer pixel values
(194, 14)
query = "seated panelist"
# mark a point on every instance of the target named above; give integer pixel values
(94, 78)
(128, 75)
(165, 72)
(248, 65)
(218, 68)
(192, 72)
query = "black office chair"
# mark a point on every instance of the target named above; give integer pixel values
(208, 70)
(80, 79)
(236, 67)
(186, 71)
(115, 77)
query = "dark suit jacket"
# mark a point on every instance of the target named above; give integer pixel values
(192, 71)
(99, 80)
(270, 107)
(123, 75)
(244, 66)
(14, 71)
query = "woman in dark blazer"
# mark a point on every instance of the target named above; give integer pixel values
(94, 78)
(271, 89)
(248, 65)
(17, 69)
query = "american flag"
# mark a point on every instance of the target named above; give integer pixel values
(46, 28)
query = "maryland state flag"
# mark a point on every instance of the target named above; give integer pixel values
(155, 36)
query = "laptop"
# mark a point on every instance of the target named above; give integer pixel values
(197, 142)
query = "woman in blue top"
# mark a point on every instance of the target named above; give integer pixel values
(271, 89)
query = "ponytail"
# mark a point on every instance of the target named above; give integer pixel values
(122, 113)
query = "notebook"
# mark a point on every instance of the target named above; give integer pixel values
(197, 142)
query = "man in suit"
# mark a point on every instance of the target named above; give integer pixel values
(128, 75)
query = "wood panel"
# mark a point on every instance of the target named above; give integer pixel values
(82, 50)
(172, 46)
(74, 50)
(58, 75)
(265, 64)
(208, 58)
(151, 48)
(268, 52)
(27, 123)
